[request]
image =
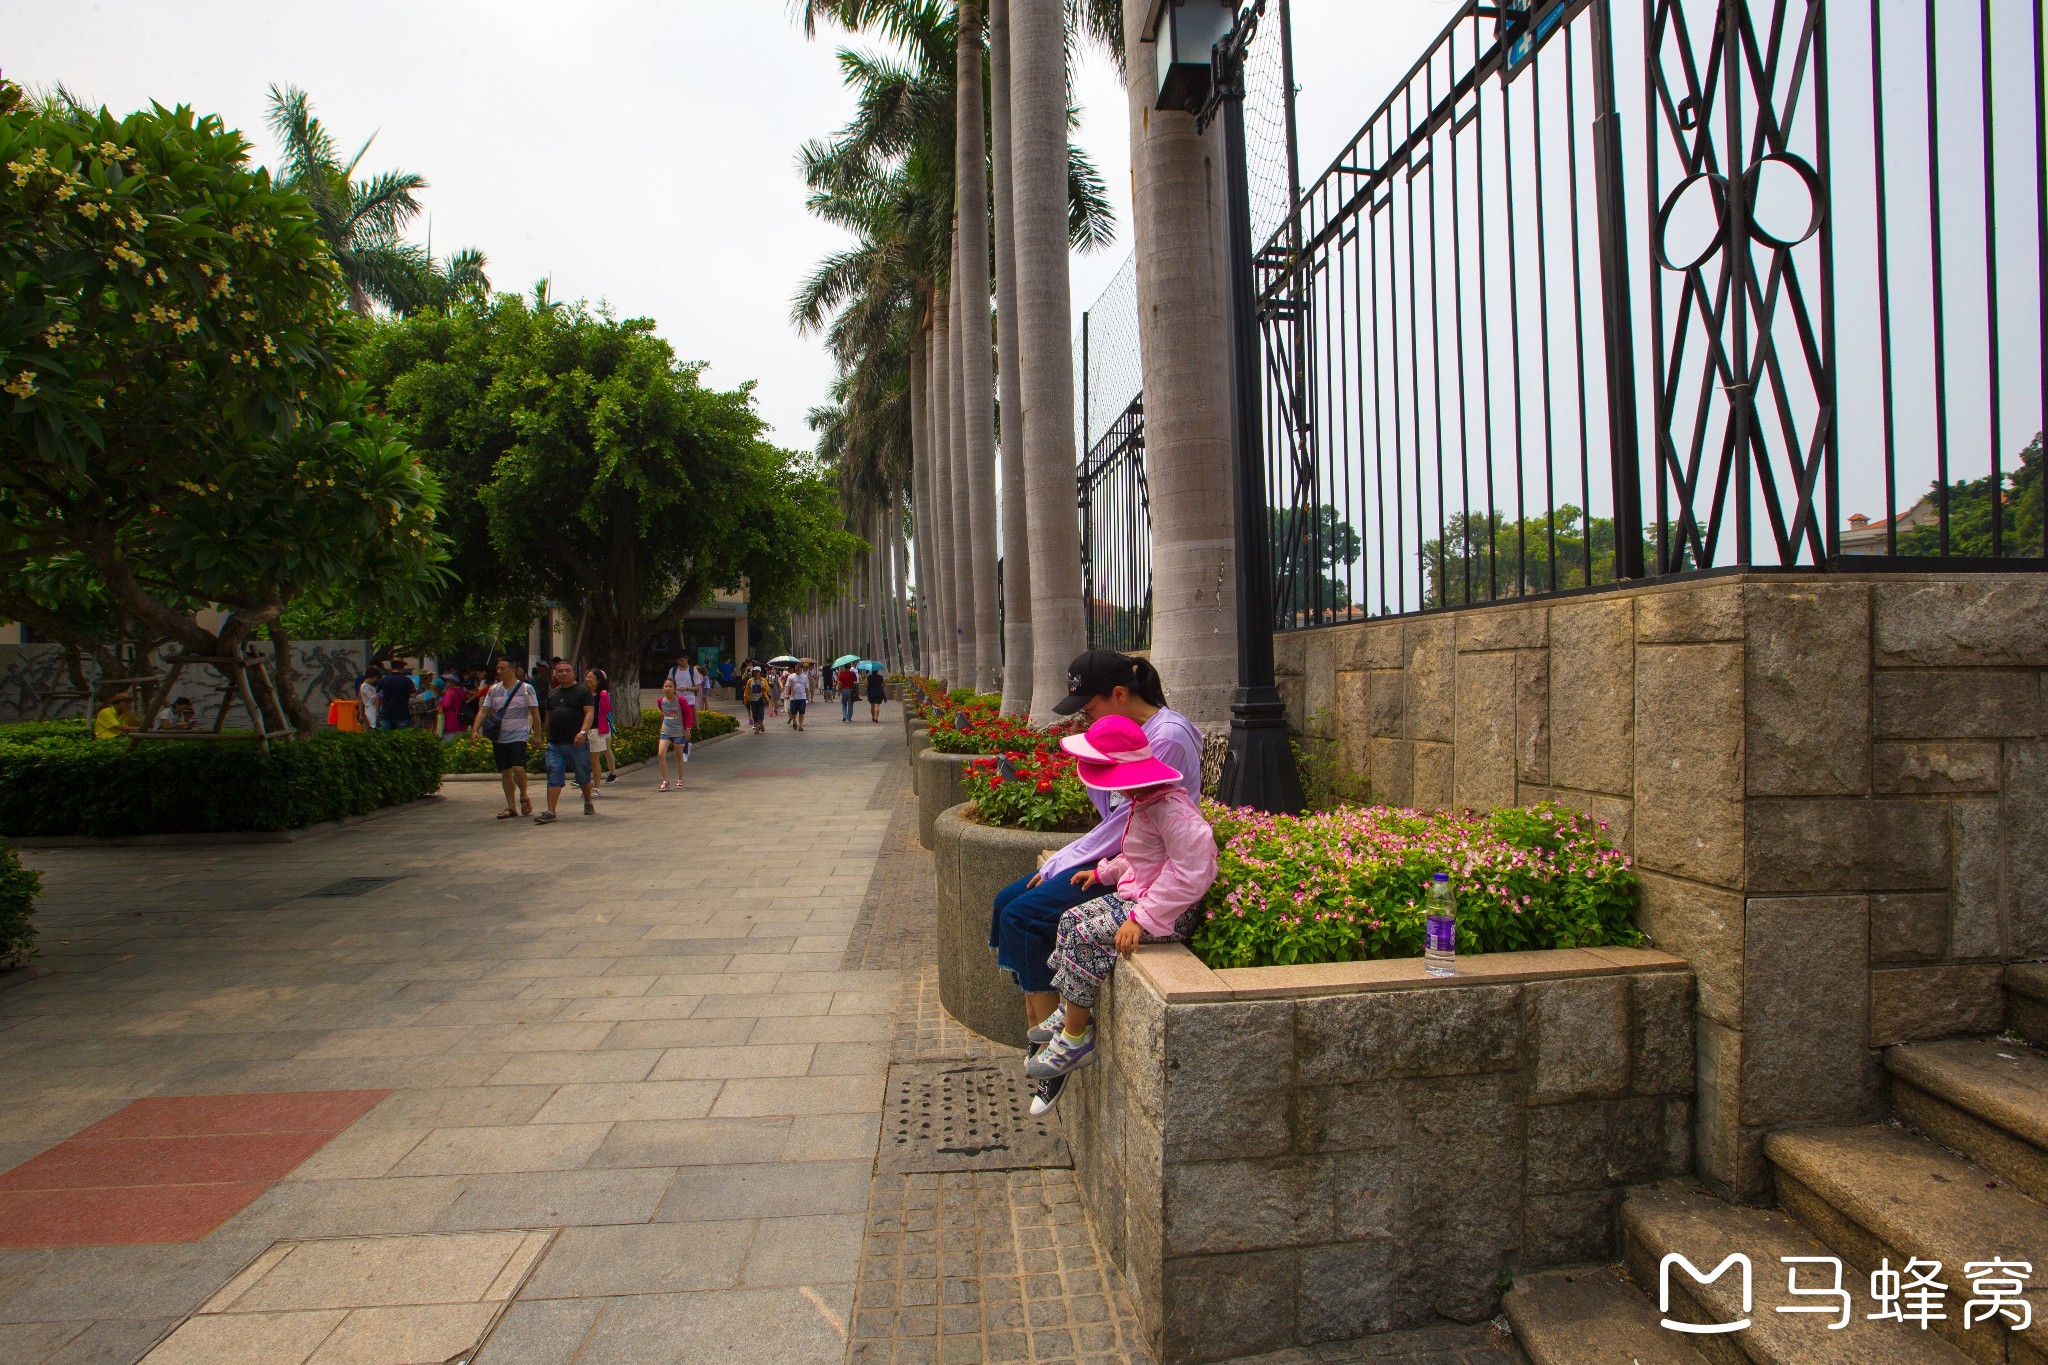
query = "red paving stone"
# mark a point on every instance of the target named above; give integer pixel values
(168, 1168)
(311, 1111)
(98, 1218)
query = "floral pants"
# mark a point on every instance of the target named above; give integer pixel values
(1085, 953)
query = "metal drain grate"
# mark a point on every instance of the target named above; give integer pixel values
(966, 1116)
(350, 886)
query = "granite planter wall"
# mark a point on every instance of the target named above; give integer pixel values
(972, 862)
(1835, 787)
(1282, 1156)
(916, 740)
(938, 788)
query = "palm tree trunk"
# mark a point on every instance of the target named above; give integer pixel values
(1038, 153)
(946, 636)
(1181, 225)
(920, 490)
(1017, 647)
(899, 560)
(965, 533)
(977, 389)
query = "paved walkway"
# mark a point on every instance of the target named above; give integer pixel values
(633, 1098)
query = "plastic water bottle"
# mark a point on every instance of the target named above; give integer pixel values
(1440, 928)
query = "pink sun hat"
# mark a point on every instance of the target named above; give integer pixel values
(1115, 756)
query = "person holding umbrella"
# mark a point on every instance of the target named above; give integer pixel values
(878, 691)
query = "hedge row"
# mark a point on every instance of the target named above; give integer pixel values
(18, 888)
(630, 743)
(60, 785)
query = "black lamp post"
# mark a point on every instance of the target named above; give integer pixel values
(1201, 47)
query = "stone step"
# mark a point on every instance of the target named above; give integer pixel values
(1881, 1193)
(2026, 1000)
(1591, 1316)
(1682, 1219)
(1985, 1098)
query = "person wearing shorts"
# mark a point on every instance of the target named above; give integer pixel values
(798, 685)
(677, 715)
(511, 699)
(602, 759)
(572, 711)
(754, 689)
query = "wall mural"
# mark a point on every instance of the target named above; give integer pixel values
(322, 669)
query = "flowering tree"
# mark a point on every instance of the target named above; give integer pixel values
(173, 421)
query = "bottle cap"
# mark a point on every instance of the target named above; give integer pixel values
(1443, 876)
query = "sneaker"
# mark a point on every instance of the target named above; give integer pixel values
(546, 817)
(589, 806)
(1040, 1034)
(611, 777)
(1046, 1094)
(1061, 1056)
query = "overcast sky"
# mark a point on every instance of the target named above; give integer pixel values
(636, 151)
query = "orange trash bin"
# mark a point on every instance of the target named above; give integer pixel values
(345, 713)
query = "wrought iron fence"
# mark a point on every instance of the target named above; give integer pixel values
(1796, 274)
(1116, 535)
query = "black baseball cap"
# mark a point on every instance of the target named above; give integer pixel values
(1096, 673)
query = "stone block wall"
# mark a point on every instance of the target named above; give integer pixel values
(1834, 786)
(1277, 1157)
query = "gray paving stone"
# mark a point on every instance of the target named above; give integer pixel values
(542, 1332)
(767, 1190)
(645, 1258)
(748, 1327)
(557, 1199)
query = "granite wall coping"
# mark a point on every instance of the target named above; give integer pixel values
(1181, 978)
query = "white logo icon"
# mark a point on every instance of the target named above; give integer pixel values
(1664, 1292)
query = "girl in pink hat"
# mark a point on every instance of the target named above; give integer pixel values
(1165, 867)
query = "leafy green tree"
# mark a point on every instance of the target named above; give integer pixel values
(584, 463)
(1309, 556)
(1484, 557)
(1969, 514)
(175, 431)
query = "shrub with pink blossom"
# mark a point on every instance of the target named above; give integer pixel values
(1348, 884)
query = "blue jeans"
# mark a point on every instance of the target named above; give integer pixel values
(562, 758)
(1024, 926)
(384, 724)
(846, 703)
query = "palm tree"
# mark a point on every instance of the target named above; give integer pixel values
(1017, 636)
(437, 286)
(1039, 165)
(1183, 328)
(907, 109)
(977, 379)
(360, 219)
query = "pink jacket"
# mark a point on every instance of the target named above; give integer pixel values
(1168, 860)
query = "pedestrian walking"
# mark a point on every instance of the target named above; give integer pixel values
(754, 691)
(677, 716)
(394, 700)
(505, 717)
(454, 696)
(849, 683)
(366, 696)
(602, 759)
(798, 684)
(878, 692)
(571, 712)
(541, 673)
(725, 678)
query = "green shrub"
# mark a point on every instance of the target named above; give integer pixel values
(1349, 884)
(630, 743)
(58, 786)
(18, 888)
(33, 731)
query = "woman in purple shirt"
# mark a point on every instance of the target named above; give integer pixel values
(1026, 918)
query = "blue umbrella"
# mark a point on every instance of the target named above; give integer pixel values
(870, 665)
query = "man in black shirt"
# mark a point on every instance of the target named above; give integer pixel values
(570, 709)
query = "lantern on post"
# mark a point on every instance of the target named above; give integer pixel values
(1186, 33)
